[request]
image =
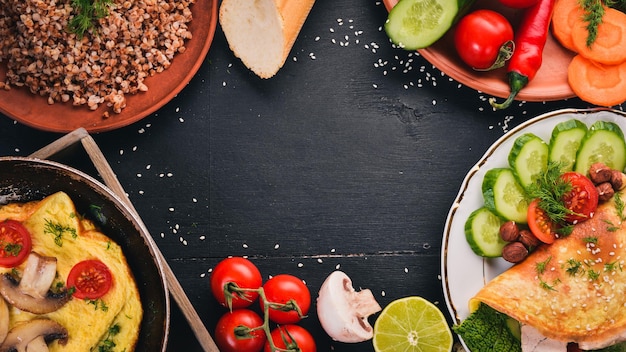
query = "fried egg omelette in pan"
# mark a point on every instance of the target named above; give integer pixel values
(39, 192)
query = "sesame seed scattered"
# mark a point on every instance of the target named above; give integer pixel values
(276, 246)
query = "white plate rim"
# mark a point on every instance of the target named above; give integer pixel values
(463, 273)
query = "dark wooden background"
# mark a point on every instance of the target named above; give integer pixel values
(349, 158)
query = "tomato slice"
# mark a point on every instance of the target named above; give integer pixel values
(90, 279)
(582, 200)
(540, 224)
(15, 243)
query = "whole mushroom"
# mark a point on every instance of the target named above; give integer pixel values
(343, 311)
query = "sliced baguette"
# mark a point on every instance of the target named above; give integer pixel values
(262, 32)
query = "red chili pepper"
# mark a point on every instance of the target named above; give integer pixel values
(530, 41)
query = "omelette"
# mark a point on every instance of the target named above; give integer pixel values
(573, 290)
(108, 323)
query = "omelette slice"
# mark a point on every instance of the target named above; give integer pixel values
(573, 290)
(58, 231)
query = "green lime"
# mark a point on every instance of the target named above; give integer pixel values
(412, 324)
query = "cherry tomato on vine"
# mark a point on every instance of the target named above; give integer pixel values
(484, 39)
(518, 4)
(90, 279)
(290, 290)
(239, 272)
(288, 336)
(582, 200)
(232, 333)
(540, 224)
(16, 243)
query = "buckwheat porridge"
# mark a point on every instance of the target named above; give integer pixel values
(135, 40)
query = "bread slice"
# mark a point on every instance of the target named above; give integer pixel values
(262, 32)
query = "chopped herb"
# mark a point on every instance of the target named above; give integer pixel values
(619, 206)
(13, 248)
(593, 275)
(87, 14)
(107, 344)
(613, 266)
(547, 286)
(98, 304)
(591, 239)
(574, 267)
(541, 266)
(611, 227)
(58, 230)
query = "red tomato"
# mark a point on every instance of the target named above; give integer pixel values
(518, 4)
(480, 38)
(239, 272)
(15, 243)
(292, 336)
(582, 200)
(287, 289)
(90, 279)
(540, 224)
(232, 334)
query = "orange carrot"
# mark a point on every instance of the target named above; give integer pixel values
(609, 47)
(567, 14)
(603, 85)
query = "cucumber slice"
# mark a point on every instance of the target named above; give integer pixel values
(565, 141)
(528, 158)
(604, 142)
(504, 196)
(482, 231)
(416, 24)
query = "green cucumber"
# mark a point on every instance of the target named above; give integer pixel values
(604, 142)
(565, 141)
(416, 24)
(482, 232)
(504, 196)
(528, 158)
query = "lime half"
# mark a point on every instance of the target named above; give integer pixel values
(412, 324)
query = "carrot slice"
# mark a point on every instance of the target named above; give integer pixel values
(603, 85)
(609, 48)
(566, 15)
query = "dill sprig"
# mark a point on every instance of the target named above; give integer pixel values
(88, 12)
(550, 189)
(594, 11)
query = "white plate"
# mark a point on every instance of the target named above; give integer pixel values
(463, 272)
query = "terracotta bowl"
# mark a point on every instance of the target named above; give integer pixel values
(549, 84)
(34, 111)
(26, 179)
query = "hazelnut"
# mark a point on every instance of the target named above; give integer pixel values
(528, 239)
(618, 180)
(509, 231)
(514, 252)
(599, 173)
(605, 191)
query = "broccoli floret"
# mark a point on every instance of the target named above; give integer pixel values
(620, 347)
(485, 330)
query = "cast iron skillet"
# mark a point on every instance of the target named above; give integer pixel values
(27, 179)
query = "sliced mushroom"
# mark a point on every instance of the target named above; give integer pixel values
(4, 319)
(37, 345)
(39, 272)
(32, 294)
(343, 311)
(23, 334)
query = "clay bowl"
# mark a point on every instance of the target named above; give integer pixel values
(27, 179)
